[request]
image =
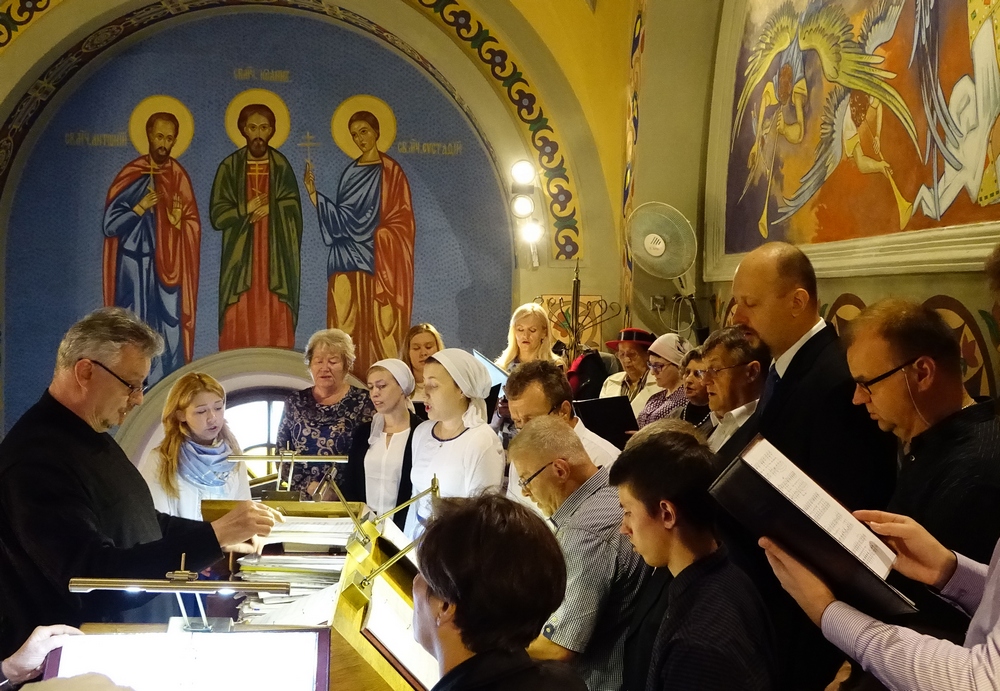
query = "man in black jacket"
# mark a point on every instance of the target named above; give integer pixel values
(806, 411)
(73, 505)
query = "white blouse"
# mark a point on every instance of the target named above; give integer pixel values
(383, 470)
(187, 503)
(470, 462)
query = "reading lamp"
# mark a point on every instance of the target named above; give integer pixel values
(359, 590)
(177, 582)
(360, 543)
(289, 457)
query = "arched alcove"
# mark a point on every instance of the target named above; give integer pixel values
(35, 87)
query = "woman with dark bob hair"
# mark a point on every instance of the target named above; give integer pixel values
(491, 573)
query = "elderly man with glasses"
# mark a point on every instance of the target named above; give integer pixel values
(72, 505)
(732, 367)
(603, 573)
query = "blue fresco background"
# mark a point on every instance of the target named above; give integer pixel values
(463, 261)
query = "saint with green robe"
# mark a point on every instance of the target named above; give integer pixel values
(255, 203)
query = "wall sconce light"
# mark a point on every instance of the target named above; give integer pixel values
(522, 206)
(531, 233)
(523, 172)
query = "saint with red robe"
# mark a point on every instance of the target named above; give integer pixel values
(152, 245)
(256, 205)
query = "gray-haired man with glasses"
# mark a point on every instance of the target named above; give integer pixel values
(733, 368)
(71, 503)
(603, 573)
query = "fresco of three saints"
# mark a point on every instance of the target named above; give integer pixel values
(863, 117)
(152, 230)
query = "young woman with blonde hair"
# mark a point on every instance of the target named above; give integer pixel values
(529, 338)
(192, 463)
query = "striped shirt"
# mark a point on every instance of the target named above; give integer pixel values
(904, 659)
(603, 577)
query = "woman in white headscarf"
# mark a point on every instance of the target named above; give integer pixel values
(379, 463)
(456, 444)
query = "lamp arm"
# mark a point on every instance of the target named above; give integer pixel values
(396, 557)
(433, 490)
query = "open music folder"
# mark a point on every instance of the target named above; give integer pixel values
(773, 497)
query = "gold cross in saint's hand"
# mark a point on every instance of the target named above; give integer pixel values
(308, 142)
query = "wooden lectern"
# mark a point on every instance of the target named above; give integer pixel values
(358, 659)
(362, 655)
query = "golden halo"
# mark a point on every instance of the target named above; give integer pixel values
(282, 120)
(160, 104)
(377, 107)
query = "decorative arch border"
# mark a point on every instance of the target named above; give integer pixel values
(27, 110)
(16, 16)
(631, 140)
(496, 61)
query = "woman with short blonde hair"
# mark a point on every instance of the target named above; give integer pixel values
(321, 420)
(192, 463)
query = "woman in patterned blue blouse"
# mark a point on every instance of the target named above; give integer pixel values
(320, 420)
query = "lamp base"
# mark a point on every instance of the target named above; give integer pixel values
(195, 625)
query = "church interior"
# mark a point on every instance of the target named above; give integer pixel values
(447, 161)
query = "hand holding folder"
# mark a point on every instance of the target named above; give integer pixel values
(816, 547)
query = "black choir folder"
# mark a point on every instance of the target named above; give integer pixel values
(773, 497)
(609, 418)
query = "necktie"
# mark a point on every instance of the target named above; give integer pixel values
(769, 384)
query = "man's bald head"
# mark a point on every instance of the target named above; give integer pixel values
(787, 265)
(775, 292)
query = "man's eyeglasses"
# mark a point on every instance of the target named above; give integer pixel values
(528, 419)
(132, 388)
(711, 372)
(523, 484)
(866, 386)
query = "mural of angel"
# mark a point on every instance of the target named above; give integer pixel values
(847, 115)
(847, 61)
(866, 118)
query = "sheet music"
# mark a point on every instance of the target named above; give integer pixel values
(824, 510)
(311, 531)
(311, 610)
(194, 661)
(390, 620)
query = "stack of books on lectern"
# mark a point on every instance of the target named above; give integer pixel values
(307, 552)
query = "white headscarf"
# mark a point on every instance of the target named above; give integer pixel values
(472, 377)
(671, 348)
(404, 377)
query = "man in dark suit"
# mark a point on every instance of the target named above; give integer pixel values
(806, 411)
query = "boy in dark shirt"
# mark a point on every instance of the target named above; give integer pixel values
(712, 630)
